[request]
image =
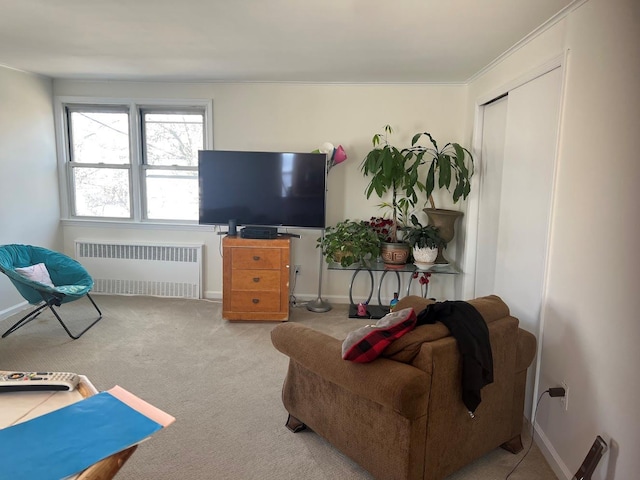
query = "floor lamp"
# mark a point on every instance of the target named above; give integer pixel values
(319, 305)
(334, 156)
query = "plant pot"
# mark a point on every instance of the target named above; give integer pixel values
(445, 220)
(339, 256)
(424, 257)
(395, 254)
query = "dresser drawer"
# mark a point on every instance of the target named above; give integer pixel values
(255, 302)
(256, 258)
(255, 280)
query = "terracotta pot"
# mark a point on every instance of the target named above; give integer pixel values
(395, 253)
(445, 220)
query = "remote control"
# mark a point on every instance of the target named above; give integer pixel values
(37, 381)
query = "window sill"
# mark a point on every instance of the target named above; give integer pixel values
(148, 225)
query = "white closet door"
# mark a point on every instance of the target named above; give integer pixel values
(525, 201)
(515, 200)
(490, 188)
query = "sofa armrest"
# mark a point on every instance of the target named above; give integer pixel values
(525, 351)
(398, 386)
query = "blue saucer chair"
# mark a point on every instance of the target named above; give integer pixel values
(70, 282)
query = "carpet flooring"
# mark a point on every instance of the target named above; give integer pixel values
(221, 380)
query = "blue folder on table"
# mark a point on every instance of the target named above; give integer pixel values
(66, 441)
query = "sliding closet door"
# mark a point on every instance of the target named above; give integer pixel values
(519, 149)
(525, 202)
(490, 188)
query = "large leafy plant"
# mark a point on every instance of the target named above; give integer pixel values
(395, 171)
(451, 163)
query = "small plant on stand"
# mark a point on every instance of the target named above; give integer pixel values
(349, 242)
(383, 227)
(425, 242)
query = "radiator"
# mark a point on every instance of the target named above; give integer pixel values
(143, 269)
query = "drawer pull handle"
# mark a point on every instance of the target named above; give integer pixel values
(256, 279)
(256, 257)
(255, 300)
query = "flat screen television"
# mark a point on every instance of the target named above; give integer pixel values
(262, 188)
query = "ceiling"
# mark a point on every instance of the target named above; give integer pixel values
(353, 41)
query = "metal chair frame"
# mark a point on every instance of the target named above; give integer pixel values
(50, 302)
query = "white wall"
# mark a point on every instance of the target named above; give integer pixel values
(298, 117)
(590, 311)
(29, 206)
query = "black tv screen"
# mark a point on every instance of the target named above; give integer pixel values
(262, 188)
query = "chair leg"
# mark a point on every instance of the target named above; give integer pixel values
(294, 424)
(75, 337)
(514, 445)
(24, 320)
(34, 313)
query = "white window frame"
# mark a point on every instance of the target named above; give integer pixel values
(137, 166)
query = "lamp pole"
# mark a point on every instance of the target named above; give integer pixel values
(319, 305)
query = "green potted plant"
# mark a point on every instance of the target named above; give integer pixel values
(393, 171)
(451, 164)
(425, 242)
(349, 242)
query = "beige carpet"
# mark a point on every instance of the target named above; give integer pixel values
(222, 382)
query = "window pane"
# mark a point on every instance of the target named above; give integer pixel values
(173, 138)
(101, 192)
(172, 194)
(99, 137)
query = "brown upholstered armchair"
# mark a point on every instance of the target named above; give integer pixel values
(401, 416)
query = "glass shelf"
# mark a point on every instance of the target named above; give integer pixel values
(378, 311)
(448, 268)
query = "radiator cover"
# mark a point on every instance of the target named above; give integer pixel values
(143, 269)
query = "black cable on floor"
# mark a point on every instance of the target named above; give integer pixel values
(533, 423)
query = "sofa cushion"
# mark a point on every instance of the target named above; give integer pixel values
(406, 348)
(367, 343)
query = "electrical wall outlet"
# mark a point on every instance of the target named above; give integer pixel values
(296, 269)
(565, 400)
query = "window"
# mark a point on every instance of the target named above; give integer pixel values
(170, 152)
(100, 162)
(133, 162)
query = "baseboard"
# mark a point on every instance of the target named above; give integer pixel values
(550, 455)
(212, 295)
(300, 297)
(6, 313)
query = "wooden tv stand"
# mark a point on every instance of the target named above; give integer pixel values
(255, 278)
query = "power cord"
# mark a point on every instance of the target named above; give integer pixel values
(292, 298)
(533, 422)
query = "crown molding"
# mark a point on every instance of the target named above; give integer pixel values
(528, 38)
